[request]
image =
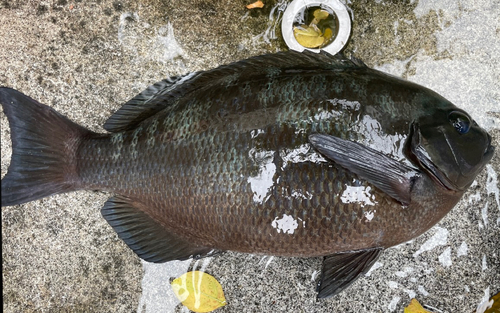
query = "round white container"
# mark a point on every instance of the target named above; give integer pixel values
(296, 6)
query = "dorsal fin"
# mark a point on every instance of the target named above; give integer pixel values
(163, 93)
(149, 102)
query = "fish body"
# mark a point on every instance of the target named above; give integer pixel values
(291, 154)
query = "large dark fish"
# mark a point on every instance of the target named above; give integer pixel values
(291, 154)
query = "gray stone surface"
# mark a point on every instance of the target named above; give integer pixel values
(85, 58)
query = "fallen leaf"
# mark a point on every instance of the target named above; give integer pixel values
(328, 34)
(311, 31)
(256, 5)
(199, 291)
(308, 36)
(415, 307)
(319, 15)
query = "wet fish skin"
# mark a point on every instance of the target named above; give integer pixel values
(223, 160)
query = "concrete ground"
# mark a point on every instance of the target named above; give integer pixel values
(85, 58)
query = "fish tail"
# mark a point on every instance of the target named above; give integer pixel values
(44, 146)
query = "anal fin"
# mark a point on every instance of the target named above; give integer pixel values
(342, 269)
(146, 237)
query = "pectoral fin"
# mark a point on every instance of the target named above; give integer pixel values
(387, 174)
(149, 239)
(342, 269)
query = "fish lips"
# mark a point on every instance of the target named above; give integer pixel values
(490, 150)
(420, 155)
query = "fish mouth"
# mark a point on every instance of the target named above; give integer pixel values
(424, 160)
(488, 153)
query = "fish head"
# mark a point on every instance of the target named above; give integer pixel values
(451, 147)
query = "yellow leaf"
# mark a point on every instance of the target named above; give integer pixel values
(328, 34)
(307, 31)
(320, 14)
(308, 36)
(415, 307)
(199, 291)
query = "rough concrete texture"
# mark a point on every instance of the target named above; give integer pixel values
(85, 58)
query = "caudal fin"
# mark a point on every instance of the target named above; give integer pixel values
(44, 144)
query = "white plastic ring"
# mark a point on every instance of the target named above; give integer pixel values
(342, 15)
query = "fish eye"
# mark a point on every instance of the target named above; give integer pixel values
(460, 121)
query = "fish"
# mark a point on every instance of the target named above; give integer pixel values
(287, 154)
